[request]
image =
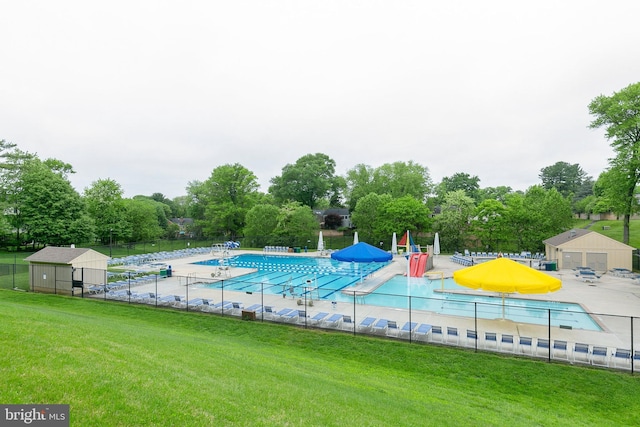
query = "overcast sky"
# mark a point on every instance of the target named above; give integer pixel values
(155, 94)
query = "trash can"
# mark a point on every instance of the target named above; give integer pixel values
(550, 266)
(163, 273)
(296, 249)
(169, 271)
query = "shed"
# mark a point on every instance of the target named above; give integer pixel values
(587, 248)
(59, 270)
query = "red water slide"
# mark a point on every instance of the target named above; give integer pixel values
(418, 265)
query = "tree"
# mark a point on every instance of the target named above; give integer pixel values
(459, 181)
(359, 183)
(454, 220)
(401, 179)
(619, 114)
(535, 216)
(399, 215)
(296, 223)
(226, 196)
(163, 211)
(142, 216)
(52, 211)
(172, 209)
(367, 213)
(11, 169)
(494, 193)
(309, 180)
(396, 179)
(261, 222)
(489, 224)
(608, 189)
(107, 208)
(564, 177)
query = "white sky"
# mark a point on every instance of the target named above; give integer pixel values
(155, 94)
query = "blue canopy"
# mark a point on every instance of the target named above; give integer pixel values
(361, 252)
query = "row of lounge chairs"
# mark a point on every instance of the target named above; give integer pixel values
(521, 255)
(122, 284)
(543, 347)
(462, 260)
(158, 256)
(275, 249)
(625, 273)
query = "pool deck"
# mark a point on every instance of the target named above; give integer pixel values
(610, 300)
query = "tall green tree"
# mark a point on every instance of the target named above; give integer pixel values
(11, 169)
(400, 179)
(359, 183)
(494, 193)
(296, 224)
(142, 215)
(619, 114)
(459, 181)
(53, 213)
(564, 177)
(107, 208)
(367, 213)
(227, 195)
(454, 221)
(310, 179)
(396, 179)
(163, 211)
(489, 225)
(535, 216)
(261, 223)
(399, 215)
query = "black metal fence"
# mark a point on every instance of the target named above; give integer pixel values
(604, 340)
(14, 276)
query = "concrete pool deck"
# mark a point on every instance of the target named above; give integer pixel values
(610, 300)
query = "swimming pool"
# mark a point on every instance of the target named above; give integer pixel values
(431, 295)
(293, 275)
(323, 278)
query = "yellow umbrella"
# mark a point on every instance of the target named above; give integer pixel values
(506, 276)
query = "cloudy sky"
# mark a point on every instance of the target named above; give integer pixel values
(155, 94)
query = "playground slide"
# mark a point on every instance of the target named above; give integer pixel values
(418, 265)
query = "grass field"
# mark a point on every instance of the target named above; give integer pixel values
(127, 365)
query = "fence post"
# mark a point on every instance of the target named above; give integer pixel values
(475, 326)
(632, 350)
(354, 313)
(262, 301)
(410, 328)
(222, 298)
(549, 334)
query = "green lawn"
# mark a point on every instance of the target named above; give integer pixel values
(127, 365)
(614, 231)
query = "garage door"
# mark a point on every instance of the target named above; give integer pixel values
(571, 259)
(597, 261)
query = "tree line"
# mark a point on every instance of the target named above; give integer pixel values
(42, 208)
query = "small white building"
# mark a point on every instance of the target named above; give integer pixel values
(59, 270)
(587, 248)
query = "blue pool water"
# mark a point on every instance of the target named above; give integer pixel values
(432, 295)
(279, 274)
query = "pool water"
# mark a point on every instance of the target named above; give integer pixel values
(324, 278)
(294, 275)
(432, 295)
